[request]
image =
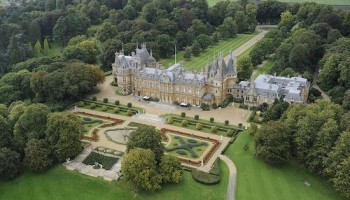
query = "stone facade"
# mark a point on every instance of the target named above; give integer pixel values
(139, 74)
(267, 88)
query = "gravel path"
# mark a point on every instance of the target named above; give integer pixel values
(233, 174)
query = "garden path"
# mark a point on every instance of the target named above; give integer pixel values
(233, 174)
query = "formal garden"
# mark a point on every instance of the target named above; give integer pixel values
(190, 149)
(99, 160)
(208, 126)
(185, 147)
(119, 135)
(113, 108)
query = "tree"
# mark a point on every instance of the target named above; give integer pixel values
(198, 27)
(34, 31)
(341, 180)
(139, 167)
(272, 143)
(69, 26)
(188, 53)
(166, 44)
(65, 140)
(287, 72)
(204, 41)
(46, 47)
(287, 19)
(346, 100)
(244, 68)
(107, 55)
(228, 28)
(14, 53)
(147, 138)
(339, 153)
(31, 124)
(86, 51)
(106, 31)
(37, 49)
(5, 133)
(38, 155)
(10, 163)
(171, 170)
(241, 20)
(196, 48)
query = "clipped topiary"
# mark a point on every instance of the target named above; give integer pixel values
(81, 104)
(129, 105)
(229, 133)
(128, 112)
(92, 106)
(198, 126)
(196, 117)
(227, 122)
(184, 123)
(183, 114)
(214, 129)
(240, 124)
(94, 98)
(117, 102)
(116, 110)
(170, 120)
(211, 119)
(105, 100)
(104, 108)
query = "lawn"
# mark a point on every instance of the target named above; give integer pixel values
(89, 123)
(259, 181)
(199, 62)
(331, 2)
(265, 68)
(61, 184)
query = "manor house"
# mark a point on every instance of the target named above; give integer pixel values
(139, 74)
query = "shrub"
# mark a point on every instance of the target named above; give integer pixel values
(104, 108)
(155, 99)
(214, 106)
(94, 98)
(192, 141)
(227, 122)
(205, 178)
(116, 110)
(128, 112)
(198, 126)
(176, 103)
(170, 120)
(117, 102)
(196, 117)
(184, 123)
(129, 105)
(211, 119)
(81, 104)
(183, 114)
(214, 129)
(240, 124)
(92, 106)
(205, 107)
(229, 133)
(105, 100)
(181, 152)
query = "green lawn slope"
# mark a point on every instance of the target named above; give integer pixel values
(259, 181)
(200, 61)
(61, 184)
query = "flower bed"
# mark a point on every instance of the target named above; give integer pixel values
(207, 156)
(115, 121)
(107, 162)
(94, 137)
(109, 108)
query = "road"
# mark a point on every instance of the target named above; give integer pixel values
(233, 174)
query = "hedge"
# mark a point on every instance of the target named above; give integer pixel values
(106, 161)
(205, 178)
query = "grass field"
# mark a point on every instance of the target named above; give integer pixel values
(198, 62)
(264, 69)
(259, 181)
(330, 2)
(61, 184)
